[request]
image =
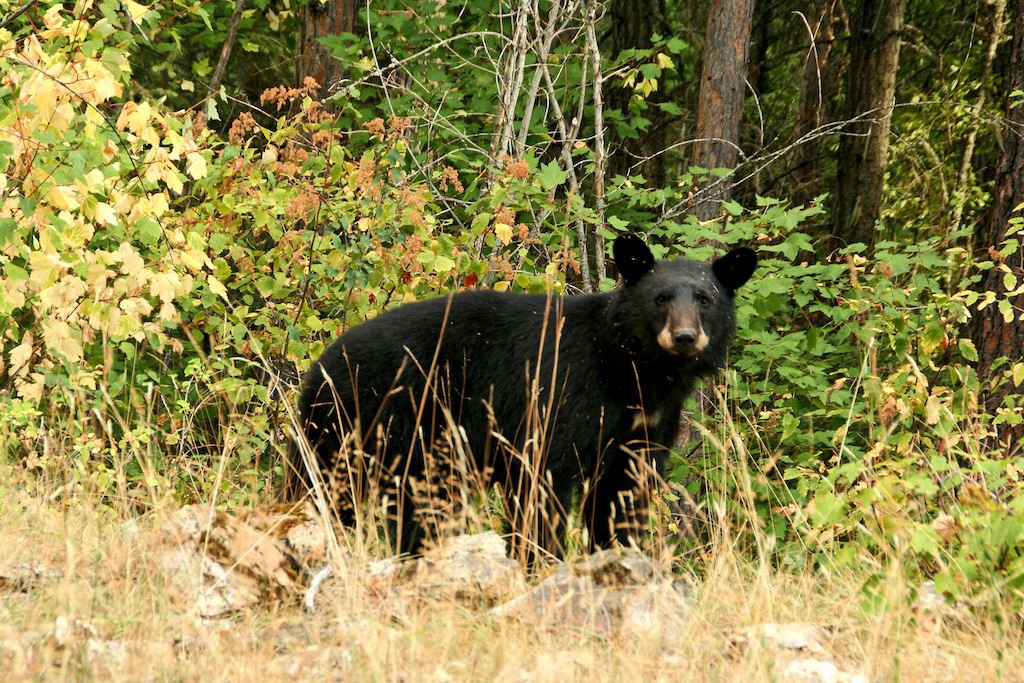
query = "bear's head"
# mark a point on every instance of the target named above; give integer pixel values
(682, 308)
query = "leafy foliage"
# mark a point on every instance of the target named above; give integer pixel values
(162, 278)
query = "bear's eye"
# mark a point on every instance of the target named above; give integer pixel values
(702, 298)
(662, 299)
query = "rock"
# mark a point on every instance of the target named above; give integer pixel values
(472, 567)
(612, 592)
(817, 671)
(231, 563)
(797, 636)
(929, 600)
(114, 655)
(802, 638)
(25, 576)
(301, 529)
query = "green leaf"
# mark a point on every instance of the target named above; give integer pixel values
(934, 332)
(671, 108)
(148, 230)
(1006, 308)
(967, 349)
(551, 175)
(1009, 281)
(14, 272)
(925, 540)
(8, 228)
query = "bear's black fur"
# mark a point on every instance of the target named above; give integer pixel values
(587, 381)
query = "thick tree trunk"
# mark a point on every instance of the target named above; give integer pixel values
(993, 335)
(720, 107)
(321, 18)
(870, 90)
(813, 95)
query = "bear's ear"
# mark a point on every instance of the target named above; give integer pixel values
(632, 257)
(735, 268)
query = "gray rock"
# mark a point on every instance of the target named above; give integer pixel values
(612, 592)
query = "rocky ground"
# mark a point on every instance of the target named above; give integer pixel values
(270, 594)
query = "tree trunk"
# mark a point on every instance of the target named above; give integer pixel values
(813, 95)
(632, 22)
(322, 18)
(993, 335)
(870, 89)
(720, 107)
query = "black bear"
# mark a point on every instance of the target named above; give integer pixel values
(580, 393)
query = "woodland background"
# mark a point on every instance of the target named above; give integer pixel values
(195, 197)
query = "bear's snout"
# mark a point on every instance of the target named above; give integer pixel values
(683, 334)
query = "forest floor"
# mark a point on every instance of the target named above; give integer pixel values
(85, 596)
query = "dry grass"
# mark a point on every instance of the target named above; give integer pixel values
(106, 572)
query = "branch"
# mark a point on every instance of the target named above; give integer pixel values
(18, 13)
(225, 51)
(599, 150)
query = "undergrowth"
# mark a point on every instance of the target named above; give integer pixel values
(163, 282)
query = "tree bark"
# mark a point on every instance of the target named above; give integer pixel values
(993, 335)
(720, 106)
(870, 90)
(813, 95)
(321, 18)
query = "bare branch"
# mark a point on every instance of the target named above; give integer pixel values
(225, 50)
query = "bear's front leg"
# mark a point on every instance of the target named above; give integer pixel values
(616, 501)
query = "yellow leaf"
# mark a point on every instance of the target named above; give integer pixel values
(33, 390)
(168, 312)
(45, 268)
(217, 287)
(60, 339)
(105, 214)
(131, 262)
(135, 9)
(931, 410)
(196, 165)
(174, 182)
(52, 18)
(64, 197)
(64, 295)
(193, 259)
(166, 286)
(102, 84)
(97, 278)
(504, 232)
(109, 150)
(134, 117)
(21, 355)
(945, 526)
(90, 182)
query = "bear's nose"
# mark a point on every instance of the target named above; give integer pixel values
(686, 338)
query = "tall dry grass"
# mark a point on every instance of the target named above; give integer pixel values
(104, 608)
(84, 594)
